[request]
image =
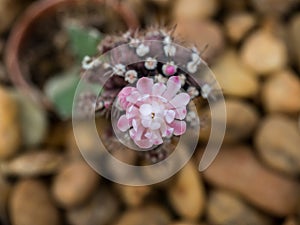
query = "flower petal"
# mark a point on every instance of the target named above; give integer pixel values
(144, 85)
(180, 113)
(146, 109)
(158, 89)
(170, 115)
(144, 143)
(173, 86)
(146, 122)
(131, 112)
(133, 97)
(123, 123)
(179, 127)
(180, 100)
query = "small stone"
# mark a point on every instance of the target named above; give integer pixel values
(9, 9)
(264, 52)
(184, 223)
(33, 120)
(211, 36)
(100, 210)
(237, 25)
(5, 189)
(281, 93)
(294, 37)
(193, 10)
(273, 7)
(234, 78)
(133, 195)
(75, 184)
(237, 169)
(35, 163)
(277, 142)
(31, 203)
(146, 215)
(238, 113)
(187, 194)
(291, 221)
(10, 139)
(227, 208)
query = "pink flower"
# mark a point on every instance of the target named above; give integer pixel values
(153, 111)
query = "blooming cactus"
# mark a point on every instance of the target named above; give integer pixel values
(153, 111)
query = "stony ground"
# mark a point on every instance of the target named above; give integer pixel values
(254, 51)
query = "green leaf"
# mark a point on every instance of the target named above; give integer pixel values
(83, 41)
(61, 89)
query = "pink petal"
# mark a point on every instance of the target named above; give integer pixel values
(155, 125)
(158, 89)
(123, 123)
(146, 122)
(179, 127)
(145, 143)
(146, 109)
(173, 86)
(180, 100)
(131, 112)
(144, 85)
(133, 97)
(180, 113)
(170, 115)
(137, 134)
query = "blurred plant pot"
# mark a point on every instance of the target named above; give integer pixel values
(34, 32)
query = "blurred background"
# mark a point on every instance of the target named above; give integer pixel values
(254, 52)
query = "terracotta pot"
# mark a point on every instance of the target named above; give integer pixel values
(22, 30)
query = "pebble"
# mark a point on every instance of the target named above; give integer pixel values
(294, 37)
(291, 221)
(187, 193)
(9, 9)
(191, 10)
(10, 138)
(239, 113)
(264, 52)
(211, 36)
(273, 7)
(100, 210)
(146, 215)
(237, 25)
(235, 78)
(133, 196)
(225, 208)
(5, 189)
(75, 184)
(33, 163)
(33, 120)
(31, 203)
(281, 93)
(277, 142)
(237, 169)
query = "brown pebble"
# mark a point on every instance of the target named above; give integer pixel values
(294, 37)
(184, 223)
(291, 221)
(242, 119)
(281, 93)
(100, 210)
(31, 203)
(211, 37)
(193, 10)
(10, 139)
(277, 142)
(187, 194)
(264, 52)
(273, 7)
(235, 78)
(237, 169)
(5, 189)
(35, 163)
(227, 208)
(133, 195)
(237, 25)
(146, 215)
(75, 184)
